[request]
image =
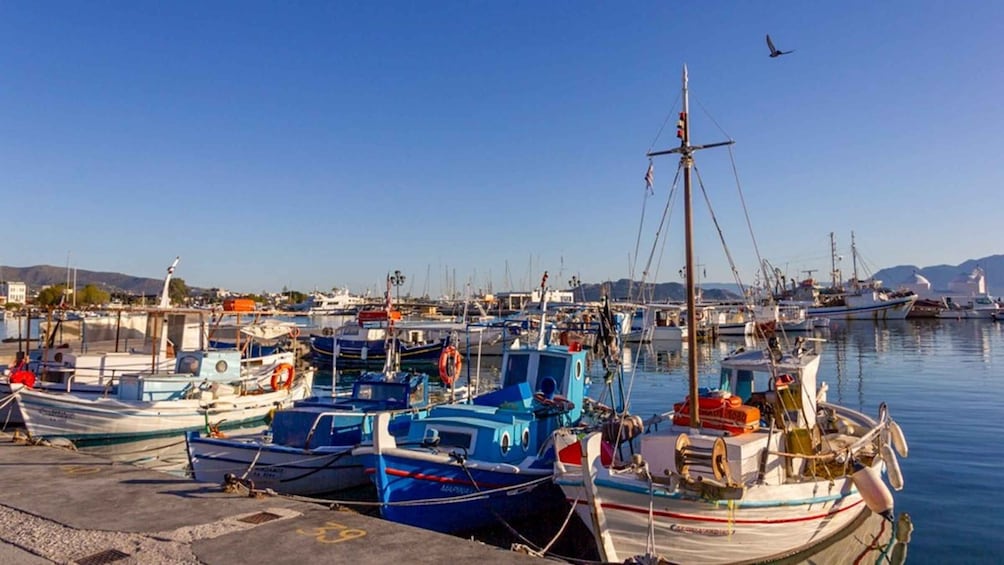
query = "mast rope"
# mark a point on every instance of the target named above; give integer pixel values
(659, 233)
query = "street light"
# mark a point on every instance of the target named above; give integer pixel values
(397, 279)
(574, 284)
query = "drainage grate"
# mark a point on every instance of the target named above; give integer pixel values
(260, 518)
(102, 557)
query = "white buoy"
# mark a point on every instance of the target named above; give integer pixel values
(892, 467)
(876, 495)
(898, 439)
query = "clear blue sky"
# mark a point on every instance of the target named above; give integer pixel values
(320, 144)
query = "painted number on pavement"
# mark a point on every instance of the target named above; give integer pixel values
(332, 532)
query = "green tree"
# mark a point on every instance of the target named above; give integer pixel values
(51, 295)
(177, 291)
(91, 295)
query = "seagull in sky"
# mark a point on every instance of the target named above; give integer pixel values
(774, 51)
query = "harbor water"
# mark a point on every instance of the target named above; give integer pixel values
(943, 381)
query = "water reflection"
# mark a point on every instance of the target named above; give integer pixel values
(870, 539)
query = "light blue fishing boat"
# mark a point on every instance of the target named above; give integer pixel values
(468, 466)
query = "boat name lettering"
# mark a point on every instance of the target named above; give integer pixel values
(456, 489)
(53, 413)
(701, 531)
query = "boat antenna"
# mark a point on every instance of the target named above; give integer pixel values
(686, 151)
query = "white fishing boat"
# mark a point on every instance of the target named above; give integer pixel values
(208, 390)
(857, 300)
(755, 470)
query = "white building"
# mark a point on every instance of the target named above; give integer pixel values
(973, 284)
(14, 292)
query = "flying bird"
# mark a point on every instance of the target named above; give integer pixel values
(774, 51)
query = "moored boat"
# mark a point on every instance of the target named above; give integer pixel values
(468, 466)
(307, 449)
(760, 468)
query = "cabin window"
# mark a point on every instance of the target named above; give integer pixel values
(525, 442)
(189, 364)
(516, 371)
(578, 370)
(221, 366)
(417, 394)
(554, 367)
(455, 439)
(505, 444)
(744, 384)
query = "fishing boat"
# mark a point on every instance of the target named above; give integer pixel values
(363, 342)
(858, 300)
(307, 449)
(207, 390)
(758, 468)
(468, 466)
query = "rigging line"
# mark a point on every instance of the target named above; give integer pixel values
(662, 223)
(669, 116)
(746, 212)
(721, 235)
(712, 118)
(637, 243)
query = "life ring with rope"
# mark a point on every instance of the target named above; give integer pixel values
(294, 332)
(450, 363)
(278, 384)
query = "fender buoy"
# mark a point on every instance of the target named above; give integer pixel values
(892, 470)
(278, 384)
(450, 363)
(27, 378)
(898, 439)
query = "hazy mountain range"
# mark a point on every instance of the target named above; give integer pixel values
(41, 276)
(939, 275)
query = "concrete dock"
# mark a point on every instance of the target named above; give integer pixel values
(62, 506)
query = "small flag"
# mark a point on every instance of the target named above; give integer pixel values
(650, 178)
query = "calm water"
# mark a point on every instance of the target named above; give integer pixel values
(944, 384)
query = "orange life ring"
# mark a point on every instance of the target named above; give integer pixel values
(294, 332)
(450, 363)
(290, 373)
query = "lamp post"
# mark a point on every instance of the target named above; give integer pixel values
(574, 284)
(397, 279)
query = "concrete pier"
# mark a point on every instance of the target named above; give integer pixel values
(62, 506)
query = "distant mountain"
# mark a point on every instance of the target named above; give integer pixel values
(941, 275)
(45, 275)
(661, 292)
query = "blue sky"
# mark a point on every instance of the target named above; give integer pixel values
(319, 144)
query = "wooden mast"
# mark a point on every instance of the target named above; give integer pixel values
(686, 151)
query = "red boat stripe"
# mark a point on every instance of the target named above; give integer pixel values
(717, 520)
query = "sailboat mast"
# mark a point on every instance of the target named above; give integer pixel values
(854, 260)
(687, 162)
(686, 151)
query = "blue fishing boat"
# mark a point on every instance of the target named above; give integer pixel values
(308, 448)
(467, 466)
